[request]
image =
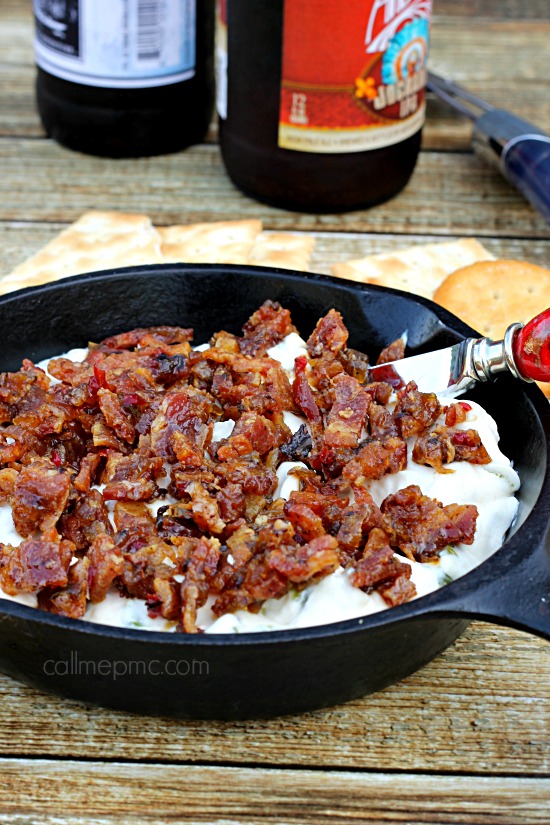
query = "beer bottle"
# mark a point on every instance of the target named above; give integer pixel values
(125, 78)
(321, 103)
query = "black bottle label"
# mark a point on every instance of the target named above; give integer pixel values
(117, 43)
(57, 25)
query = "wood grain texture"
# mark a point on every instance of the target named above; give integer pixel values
(448, 194)
(481, 707)
(77, 793)
(515, 9)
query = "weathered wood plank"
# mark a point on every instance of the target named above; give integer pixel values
(515, 9)
(95, 793)
(19, 240)
(449, 194)
(483, 706)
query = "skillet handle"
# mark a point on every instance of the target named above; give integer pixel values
(513, 590)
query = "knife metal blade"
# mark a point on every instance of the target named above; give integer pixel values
(453, 370)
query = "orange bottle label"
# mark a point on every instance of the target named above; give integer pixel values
(353, 73)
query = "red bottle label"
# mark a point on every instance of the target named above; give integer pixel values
(353, 73)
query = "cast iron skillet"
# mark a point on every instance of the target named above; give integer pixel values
(266, 674)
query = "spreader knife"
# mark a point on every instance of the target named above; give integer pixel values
(524, 352)
(520, 149)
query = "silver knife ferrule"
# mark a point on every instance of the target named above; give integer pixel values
(484, 359)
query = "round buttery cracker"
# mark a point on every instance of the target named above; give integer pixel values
(491, 295)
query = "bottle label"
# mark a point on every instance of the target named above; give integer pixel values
(353, 73)
(119, 44)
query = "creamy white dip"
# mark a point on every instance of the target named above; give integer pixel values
(490, 487)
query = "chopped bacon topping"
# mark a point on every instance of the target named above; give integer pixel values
(420, 526)
(394, 352)
(40, 497)
(415, 411)
(69, 600)
(138, 415)
(265, 328)
(379, 568)
(329, 334)
(376, 459)
(347, 417)
(34, 564)
(443, 445)
(105, 560)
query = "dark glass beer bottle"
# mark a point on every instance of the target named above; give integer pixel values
(321, 103)
(125, 78)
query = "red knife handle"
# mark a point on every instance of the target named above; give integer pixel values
(531, 348)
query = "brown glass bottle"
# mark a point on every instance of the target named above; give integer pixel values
(133, 122)
(297, 180)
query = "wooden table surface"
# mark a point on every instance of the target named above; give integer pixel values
(464, 740)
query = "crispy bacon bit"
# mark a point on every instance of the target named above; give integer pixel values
(201, 569)
(135, 525)
(105, 565)
(347, 416)
(355, 363)
(86, 474)
(240, 549)
(301, 563)
(34, 564)
(8, 477)
(256, 583)
(455, 414)
(381, 423)
(69, 600)
(205, 509)
(443, 445)
(265, 328)
(415, 411)
(304, 398)
(468, 447)
(356, 522)
(434, 448)
(379, 569)
(394, 352)
(186, 452)
(104, 436)
(329, 334)
(115, 416)
(258, 431)
(143, 564)
(253, 476)
(420, 526)
(186, 411)
(171, 368)
(86, 520)
(145, 337)
(376, 459)
(231, 502)
(41, 494)
(131, 478)
(307, 524)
